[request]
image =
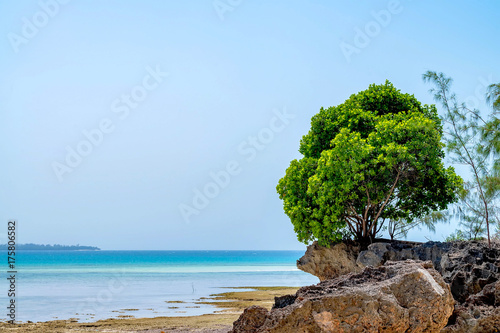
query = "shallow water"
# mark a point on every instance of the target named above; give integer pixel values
(93, 285)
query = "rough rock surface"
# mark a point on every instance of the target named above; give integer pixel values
(250, 320)
(468, 267)
(378, 253)
(471, 269)
(375, 255)
(402, 296)
(328, 263)
(479, 314)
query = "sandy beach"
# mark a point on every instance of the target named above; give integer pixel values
(231, 305)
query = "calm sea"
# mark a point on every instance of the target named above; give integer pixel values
(93, 285)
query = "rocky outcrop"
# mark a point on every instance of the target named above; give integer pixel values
(479, 314)
(378, 253)
(397, 297)
(343, 258)
(328, 263)
(468, 267)
(471, 269)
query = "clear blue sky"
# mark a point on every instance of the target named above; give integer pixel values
(100, 67)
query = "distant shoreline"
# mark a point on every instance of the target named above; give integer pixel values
(48, 247)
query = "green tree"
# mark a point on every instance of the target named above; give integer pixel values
(472, 141)
(375, 157)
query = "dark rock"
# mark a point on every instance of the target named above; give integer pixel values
(458, 286)
(479, 313)
(375, 255)
(468, 267)
(281, 302)
(478, 319)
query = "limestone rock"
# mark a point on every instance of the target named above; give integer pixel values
(471, 269)
(327, 263)
(466, 266)
(250, 320)
(397, 297)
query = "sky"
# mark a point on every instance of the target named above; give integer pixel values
(166, 125)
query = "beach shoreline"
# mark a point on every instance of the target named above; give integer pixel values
(231, 305)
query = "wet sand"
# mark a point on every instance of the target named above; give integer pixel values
(231, 305)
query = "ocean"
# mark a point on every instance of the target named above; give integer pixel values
(93, 285)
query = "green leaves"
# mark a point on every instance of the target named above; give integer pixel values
(359, 114)
(377, 156)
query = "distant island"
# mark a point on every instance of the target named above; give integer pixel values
(55, 247)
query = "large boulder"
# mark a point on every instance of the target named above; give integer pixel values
(404, 296)
(330, 262)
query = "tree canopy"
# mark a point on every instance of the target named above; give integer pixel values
(375, 157)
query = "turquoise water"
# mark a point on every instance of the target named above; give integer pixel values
(92, 285)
